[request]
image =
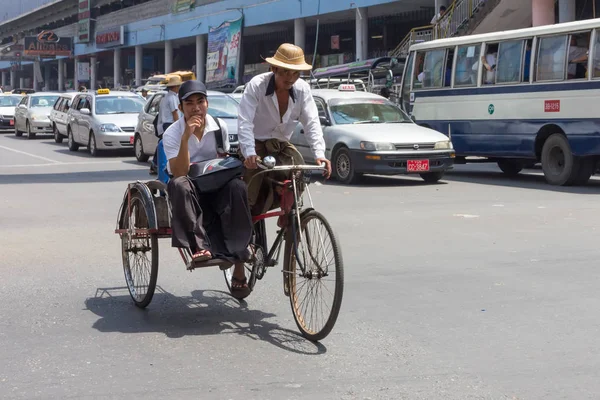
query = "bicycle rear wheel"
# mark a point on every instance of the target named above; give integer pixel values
(140, 254)
(315, 276)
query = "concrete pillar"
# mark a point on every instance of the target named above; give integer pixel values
(362, 33)
(75, 77)
(542, 12)
(47, 71)
(168, 56)
(139, 65)
(13, 79)
(36, 66)
(93, 72)
(61, 74)
(300, 32)
(201, 57)
(566, 11)
(4, 79)
(117, 67)
(21, 82)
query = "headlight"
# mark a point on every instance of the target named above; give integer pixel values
(373, 146)
(443, 145)
(233, 138)
(109, 128)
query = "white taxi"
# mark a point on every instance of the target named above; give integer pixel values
(103, 120)
(367, 134)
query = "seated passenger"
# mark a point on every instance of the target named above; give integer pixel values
(211, 225)
(489, 65)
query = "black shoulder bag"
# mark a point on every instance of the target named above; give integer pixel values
(211, 175)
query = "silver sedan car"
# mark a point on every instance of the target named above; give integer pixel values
(367, 134)
(103, 120)
(8, 102)
(220, 105)
(32, 115)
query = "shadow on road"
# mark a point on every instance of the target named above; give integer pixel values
(129, 175)
(205, 312)
(533, 180)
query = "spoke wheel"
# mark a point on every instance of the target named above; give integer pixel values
(316, 290)
(140, 255)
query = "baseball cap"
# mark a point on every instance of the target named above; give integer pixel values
(189, 88)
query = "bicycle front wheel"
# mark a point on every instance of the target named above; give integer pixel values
(315, 275)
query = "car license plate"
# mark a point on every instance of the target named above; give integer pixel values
(131, 140)
(12, 122)
(417, 165)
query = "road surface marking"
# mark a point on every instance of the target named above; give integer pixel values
(29, 154)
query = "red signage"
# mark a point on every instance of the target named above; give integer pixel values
(552, 106)
(110, 38)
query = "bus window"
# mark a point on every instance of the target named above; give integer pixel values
(579, 43)
(527, 61)
(596, 60)
(418, 73)
(552, 58)
(466, 57)
(434, 68)
(489, 64)
(510, 54)
(406, 83)
(448, 69)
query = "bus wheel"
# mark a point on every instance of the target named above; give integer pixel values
(559, 164)
(510, 167)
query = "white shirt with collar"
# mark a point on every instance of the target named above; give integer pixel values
(200, 150)
(259, 116)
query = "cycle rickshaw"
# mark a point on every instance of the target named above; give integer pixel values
(312, 256)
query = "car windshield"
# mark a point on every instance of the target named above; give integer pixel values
(43, 101)
(222, 107)
(119, 105)
(10, 101)
(366, 111)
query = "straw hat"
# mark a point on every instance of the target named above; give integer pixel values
(174, 81)
(289, 56)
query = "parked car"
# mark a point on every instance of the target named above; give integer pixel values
(220, 105)
(58, 115)
(8, 102)
(103, 120)
(367, 134)
(32, 115)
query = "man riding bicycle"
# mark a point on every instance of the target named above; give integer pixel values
(271, 106)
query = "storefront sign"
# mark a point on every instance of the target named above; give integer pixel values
(48, 44)
(83, 24)
(335, 42)
(111, 38)
(83, 71)
(223, 58)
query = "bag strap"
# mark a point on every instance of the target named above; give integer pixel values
(219, 136)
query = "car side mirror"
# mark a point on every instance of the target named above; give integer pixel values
(324, 121)
(85, 111)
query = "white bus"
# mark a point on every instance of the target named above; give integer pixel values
(514, 97)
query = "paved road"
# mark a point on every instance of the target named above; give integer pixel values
(479, 287)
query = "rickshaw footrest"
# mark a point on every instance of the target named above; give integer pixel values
(215, 262)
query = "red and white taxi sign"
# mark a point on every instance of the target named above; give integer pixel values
(347, 87)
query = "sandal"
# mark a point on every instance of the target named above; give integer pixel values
(201, 255)
(239, 288)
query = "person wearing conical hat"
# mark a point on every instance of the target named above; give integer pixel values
(271, 106)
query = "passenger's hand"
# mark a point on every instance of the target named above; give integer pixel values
(250, 162)
(193, 123)
(327, 172)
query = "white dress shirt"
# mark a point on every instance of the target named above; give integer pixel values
(200, 150)
(259, 116)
